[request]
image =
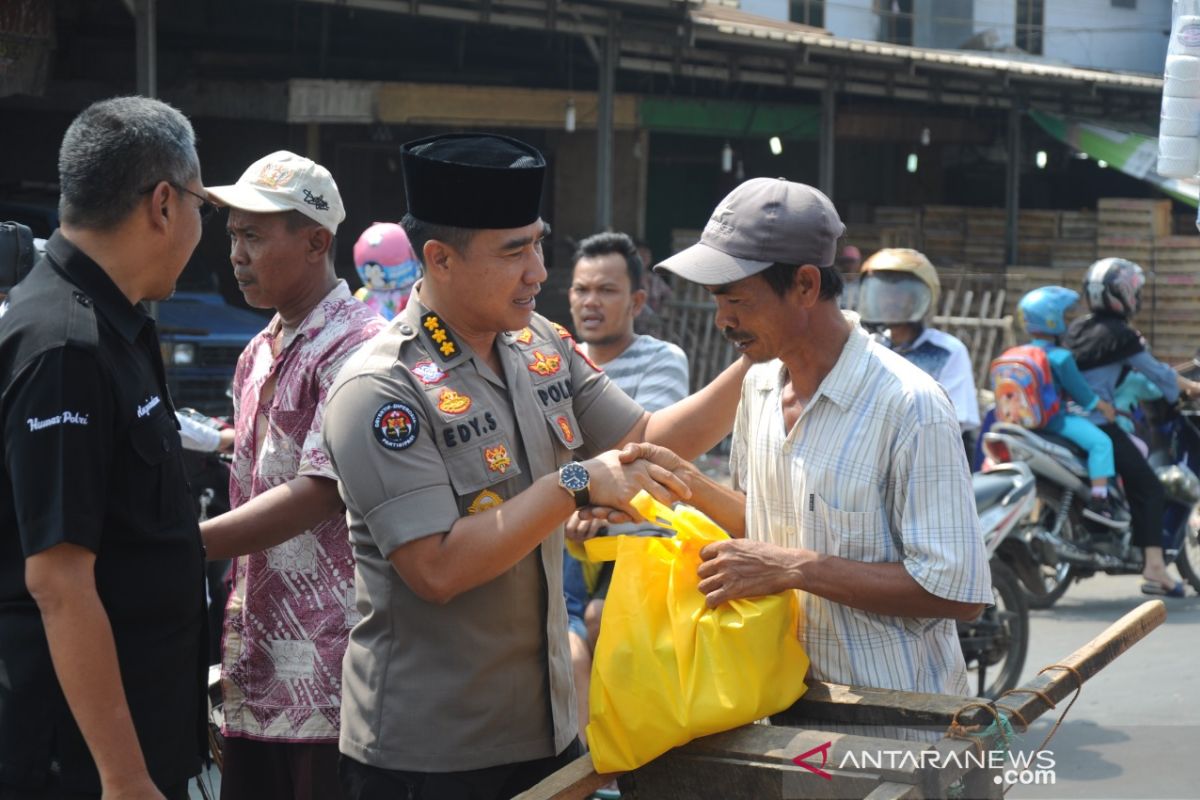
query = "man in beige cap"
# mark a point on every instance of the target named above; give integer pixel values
(849, 478)
(292, 602)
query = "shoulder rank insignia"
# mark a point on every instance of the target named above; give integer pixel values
(545, 365)
(447, 347)
(428, 373)
(524, 336)
(484, 501)
(497, 458)
(452, 402)
(579, 352)
(564, 425)
(561, 331)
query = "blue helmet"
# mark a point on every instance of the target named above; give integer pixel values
(1041, 311)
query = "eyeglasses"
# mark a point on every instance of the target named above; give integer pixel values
(205, 208)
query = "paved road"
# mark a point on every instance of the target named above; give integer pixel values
(1135, 730)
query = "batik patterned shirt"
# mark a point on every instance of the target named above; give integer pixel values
(292, 606)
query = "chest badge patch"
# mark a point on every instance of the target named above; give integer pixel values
(497, 458)
(545, 365)
(525, 336)
(428, 373)
(564, 425)
(395, 426)
(447, 348)
(484, 501)
(452, 402)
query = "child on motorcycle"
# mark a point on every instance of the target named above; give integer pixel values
(1041, 312)
(1105, 347)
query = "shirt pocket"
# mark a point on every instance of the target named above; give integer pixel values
(158, 467)
(481, 464)
(564, 428)
(853, 535)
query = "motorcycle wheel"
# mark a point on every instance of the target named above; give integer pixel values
(1053, 580)
(1188, 560)
(1005, 628)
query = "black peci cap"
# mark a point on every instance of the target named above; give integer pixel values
(473, 180)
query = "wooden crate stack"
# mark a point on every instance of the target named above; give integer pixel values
(944, 233)
(1171, 299)
(1075, 246)
(1037, 232)
(984, 247)
(898, 226)
(1128, 228)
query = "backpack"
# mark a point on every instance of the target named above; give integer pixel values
(1024, 387)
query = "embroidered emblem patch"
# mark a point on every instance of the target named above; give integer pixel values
(274, 176)
(545, 365)
(484, 501)
(395, 426)
(497, 458)
(562, 332)
(452, 402)
(447, 348)
(564, 425)
(586, 360)
(524, 337)
(428, 373)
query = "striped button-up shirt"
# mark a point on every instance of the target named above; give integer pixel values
(872, 471)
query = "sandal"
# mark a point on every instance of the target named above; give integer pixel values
(1157, 589)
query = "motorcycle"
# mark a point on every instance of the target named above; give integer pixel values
(999, 639)
(1063, 545)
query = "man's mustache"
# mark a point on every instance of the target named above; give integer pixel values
(735, 336)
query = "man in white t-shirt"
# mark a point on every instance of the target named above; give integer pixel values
(606, 295)
(898, 295)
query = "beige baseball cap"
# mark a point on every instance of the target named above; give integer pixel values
(763, 221)
(284, 181)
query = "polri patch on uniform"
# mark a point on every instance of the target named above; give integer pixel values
(451, 402)
(497, 458)
(525, 336)
(564, 425)
(395, 425)
(545, 365)
(428, 373)
(563, 333)
(484, 501)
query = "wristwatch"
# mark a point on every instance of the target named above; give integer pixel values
(575, 479)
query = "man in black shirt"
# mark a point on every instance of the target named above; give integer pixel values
(102, 612)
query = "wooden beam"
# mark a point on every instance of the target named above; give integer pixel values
(833, 702)
(448, 104)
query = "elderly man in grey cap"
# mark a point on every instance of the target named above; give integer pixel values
(849, 479)
(455, 435)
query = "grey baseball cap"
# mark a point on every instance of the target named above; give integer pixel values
(763, 221)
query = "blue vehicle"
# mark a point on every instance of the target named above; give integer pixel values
(201, 337)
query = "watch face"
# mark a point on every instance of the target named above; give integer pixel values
(573, 477)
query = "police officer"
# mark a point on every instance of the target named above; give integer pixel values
(102, 616)
(454, 434)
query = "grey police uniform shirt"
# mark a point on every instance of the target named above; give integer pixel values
(421, 433)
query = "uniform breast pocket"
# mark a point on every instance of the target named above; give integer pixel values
(481, 464)
(157, 468)
(564, 427)
(854, 535)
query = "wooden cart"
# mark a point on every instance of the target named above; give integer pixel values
(756, 762)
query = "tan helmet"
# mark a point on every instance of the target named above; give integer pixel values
(898, 285)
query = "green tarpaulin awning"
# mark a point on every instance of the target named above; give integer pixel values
(1134, 154)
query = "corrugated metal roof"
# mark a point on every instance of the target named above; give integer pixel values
(732, 22)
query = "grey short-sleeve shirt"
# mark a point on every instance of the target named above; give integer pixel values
(421, 433)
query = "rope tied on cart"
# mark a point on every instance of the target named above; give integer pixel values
(1001, 730)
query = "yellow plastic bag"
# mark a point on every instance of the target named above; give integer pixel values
(667, 668)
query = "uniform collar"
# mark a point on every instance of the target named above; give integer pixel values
(844, 382)
(437, 337)
(81, 270)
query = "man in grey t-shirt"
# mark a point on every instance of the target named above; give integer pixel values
(606, 296)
